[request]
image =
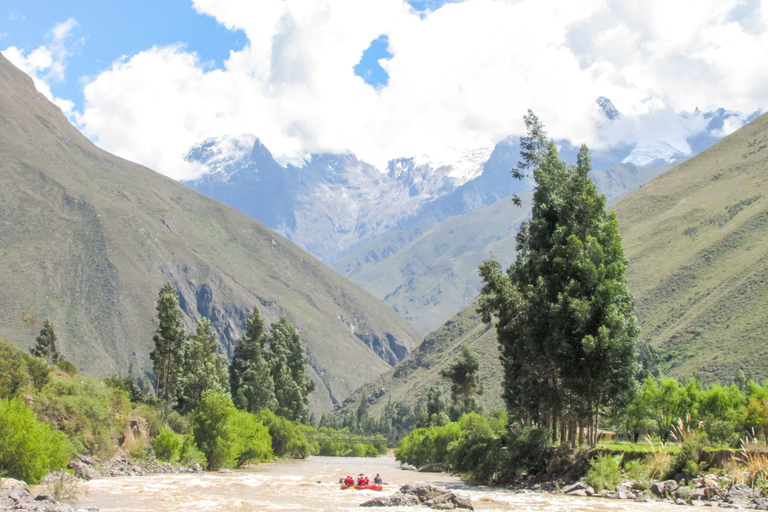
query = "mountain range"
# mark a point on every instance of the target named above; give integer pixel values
(413, 233)
(87, 239)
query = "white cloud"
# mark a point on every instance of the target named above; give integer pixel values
(46, 63)
(460, 77)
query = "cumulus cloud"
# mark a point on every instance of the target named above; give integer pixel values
(460, 77)
(47, 63)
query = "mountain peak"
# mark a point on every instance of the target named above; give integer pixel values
(606, 107)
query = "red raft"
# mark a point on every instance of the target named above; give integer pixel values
(369, 487)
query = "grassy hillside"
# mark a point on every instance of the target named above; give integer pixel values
(697, 241)
(87, 239)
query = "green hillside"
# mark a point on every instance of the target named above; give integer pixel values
(87, 239)
(697, 241)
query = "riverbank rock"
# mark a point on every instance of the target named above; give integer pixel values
(434, 468)
(662, 489)
(12, 483)
(450, 501)
(424, 492)
(20, 498)
(83, 470)
(119, 466)
(408, 467)
(433, 496)
(395, 500)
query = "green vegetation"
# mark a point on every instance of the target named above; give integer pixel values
(166, 445)
(29, 448)
(45, 344)
(604, 472)
(203, 368)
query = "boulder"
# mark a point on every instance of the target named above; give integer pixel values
(739, 492)
(225, 470)
(83, 470)
(434, 468)
(12, 483)
(761, 503)
(395, 500)
(699, 494)
(683, 493)
(579, 492)
(661, 489)
(424, 492)
(578, 486)
(450, 501)
(407, 467)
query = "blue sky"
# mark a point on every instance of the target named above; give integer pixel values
(381, 78)
(108, 30)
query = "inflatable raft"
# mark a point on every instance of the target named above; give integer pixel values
(369, 487)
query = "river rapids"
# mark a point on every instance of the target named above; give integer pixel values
(313, 485)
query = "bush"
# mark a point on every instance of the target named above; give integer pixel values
(14, 376)
(287, 440)
(29, 448)
(604, 472)
(249, 438)
(209, 427)
(89, 412)
(531, 450)
(428, 445)
(167, 446)
(477, 454)
(190, 455)
(66, 367)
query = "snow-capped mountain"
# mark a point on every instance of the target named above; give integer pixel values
(351, 214)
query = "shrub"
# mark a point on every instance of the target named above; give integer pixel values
(190, 455)
(531, 450)
(428, 445)
(249, 437)
(209, 427)
(477, 453)
(604, 472)
(167, 445)
(66, 367)
(287, 440)
(29, 448)
(89, 412)
(14, 376)
(62, 486)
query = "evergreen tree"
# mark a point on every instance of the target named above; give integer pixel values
(287, 362)
(465, 381)
(566, 324)
(45, 344)
(203, 367)
(169, 340)
(249, 373)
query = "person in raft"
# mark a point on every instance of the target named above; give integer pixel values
(377, 480)
(362, 480)
(349, 481)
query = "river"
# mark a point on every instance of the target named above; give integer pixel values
(312, 485)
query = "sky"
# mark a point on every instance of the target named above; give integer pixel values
(147, 79)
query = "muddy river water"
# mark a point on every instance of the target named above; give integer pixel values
(312, 485)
